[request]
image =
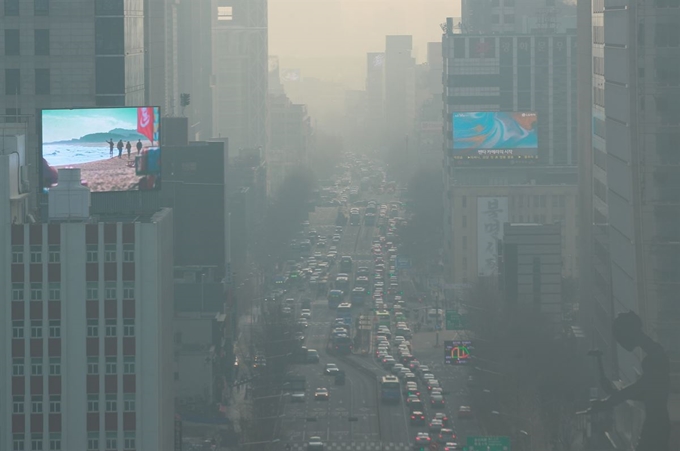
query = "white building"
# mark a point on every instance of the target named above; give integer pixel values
(91, 364)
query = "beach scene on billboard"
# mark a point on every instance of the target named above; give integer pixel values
(495, 135)
(116, 149)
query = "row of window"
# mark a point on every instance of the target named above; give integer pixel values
(13, 82)
(92, 253)
(54, 327)
(37, 366)
(36, 291)
(539, 201)
(40, 7)
(41, 42)
(37, 441)
(37, 404)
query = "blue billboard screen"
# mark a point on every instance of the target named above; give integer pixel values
(495, 135)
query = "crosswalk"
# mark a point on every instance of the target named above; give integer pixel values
(356, 446)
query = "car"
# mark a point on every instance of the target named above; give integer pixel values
(427, 376)
(464, 412)
(388, 362)
(305, 313)
(423, 369)
(331, 369)
(437, 391)
(396, 368)
(414, 365)
(422, 439)
(321, 394)
(302, 322)
(432, 383)
(298, 396)
(398, 340)
(435, 426)
(415, 403)
(417, 417)
(450, 446)
(402, 372)
(446, 435)
(443, 417)
(409, 377)
(437, 401)
(312, 356)
(315, 444)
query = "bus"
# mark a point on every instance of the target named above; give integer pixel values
(341, 344)
(354, 218)
(390, 389)
(383, 318)
(345, 312)
(334, 298)
(342, 284)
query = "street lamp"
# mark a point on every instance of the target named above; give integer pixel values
(521, 431)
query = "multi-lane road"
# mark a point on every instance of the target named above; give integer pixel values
(374, 426)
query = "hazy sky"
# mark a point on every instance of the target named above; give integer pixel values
(319, 28)
(63, 125)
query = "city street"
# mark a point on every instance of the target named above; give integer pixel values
(374, 426)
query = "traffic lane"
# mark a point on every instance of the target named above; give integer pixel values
(364, 404)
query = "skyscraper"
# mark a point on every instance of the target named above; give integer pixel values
(399, 91)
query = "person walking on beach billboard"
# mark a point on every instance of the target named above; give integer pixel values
(139, 146)
(128, 147)
(120, 148)
(111, 144)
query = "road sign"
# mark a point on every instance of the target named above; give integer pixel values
(403, 262)
(455, 321)
(457, 352)
(498, 443)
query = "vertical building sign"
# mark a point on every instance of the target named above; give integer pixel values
(492, 213)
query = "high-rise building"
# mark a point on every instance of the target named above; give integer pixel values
(161, 34)
(67, 54)
(635, 168)
(429, 105)
(399, 91)
(240, 72)
(86, 364)
(517, 16)
(375, 108)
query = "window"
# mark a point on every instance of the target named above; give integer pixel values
(93, 327)
(110, 290)
(36, 329)
(93, 365)
(128, 327)
(128, 290)
(464, 219)
(36, 254)
(128, 253)
(36, 404)
(464, 263)
(42, 81)
(11, 7)
(495, 18)
(109, 253)
(12, 42)
(36, 292)
(92, 254)
(41, 7)
(18, 329)
(543, 200)
(18, 367)
(129, 402)
(536, 201)
(225, 13)
(93, 403)
(129, 364)
(36, 442)
(36, 366)
(55, 442)
(17, 254)
(42, 42)
(54, 291)
(110, 327)
(463, 201)
(129, 443)
(509, 18)
(55, 366)
(111, 365)
(18, 404)
(464, 243)
(17, 291)
(666, 35)
(55, 328)
(92, 291)
(54, 252)
(18, 443)
(55, 403)
(111, 406)
(93, 441)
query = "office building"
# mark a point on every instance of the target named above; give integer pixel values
(240, 73)
(67, 54)
(81, 371)
(161, 19)
(429, 105)
(399, 89)
(635, 233)
(517, 16)
(375, 107)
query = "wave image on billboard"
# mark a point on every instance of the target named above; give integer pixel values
(494, 135)
(116, 149)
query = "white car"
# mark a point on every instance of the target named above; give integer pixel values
(315, 444)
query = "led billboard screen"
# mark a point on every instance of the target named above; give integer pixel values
(116, 149)
(494, 135)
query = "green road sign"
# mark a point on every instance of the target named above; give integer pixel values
(487, 444)
(455, 321)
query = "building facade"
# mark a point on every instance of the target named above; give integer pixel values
(399, 89)
(82, 372)
(517, 16)
(375, 108)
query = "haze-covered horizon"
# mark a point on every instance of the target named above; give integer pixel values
(347, 30)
